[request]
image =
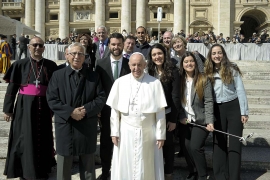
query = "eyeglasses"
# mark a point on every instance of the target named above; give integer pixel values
(76, 53)
(82, 39)
(37, 45)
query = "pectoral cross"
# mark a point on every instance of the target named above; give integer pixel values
(132, 104)
(36, 81)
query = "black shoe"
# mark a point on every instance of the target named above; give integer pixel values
(204, 178)
(103, 177)
(192, 176)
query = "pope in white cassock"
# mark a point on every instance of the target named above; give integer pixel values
(138, 124)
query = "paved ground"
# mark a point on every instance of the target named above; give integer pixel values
(179, 173)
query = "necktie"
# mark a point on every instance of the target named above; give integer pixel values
(126, 56)
(101, 49)
(115, 70)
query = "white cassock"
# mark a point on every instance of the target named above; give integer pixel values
(138, 119)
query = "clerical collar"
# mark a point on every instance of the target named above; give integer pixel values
(37, 60)
(77, 70)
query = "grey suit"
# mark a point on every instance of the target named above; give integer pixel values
(203, 110)
(195, 136)
(97, 53)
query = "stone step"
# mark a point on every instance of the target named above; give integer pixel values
(253, 158)
(258, 122)
(258, 109)
(260, 99)
(256, 82)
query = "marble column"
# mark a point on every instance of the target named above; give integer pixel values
(99, 13)
(64, 19)
(140, 13)
(126, 16)
(179, 16)
(29, 13)
(225, 19)
(187, 16)
(1, 13)
(40, 18)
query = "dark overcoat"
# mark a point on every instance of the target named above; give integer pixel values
(75, 137)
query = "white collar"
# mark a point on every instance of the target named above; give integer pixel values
(120, 60)
(77, 70)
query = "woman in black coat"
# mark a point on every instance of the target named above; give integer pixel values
(160, 66)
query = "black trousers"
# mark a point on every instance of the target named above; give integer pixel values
(194, 149)
(106, 145)
(227, 160)
(23, 50)
(14, 54)
(168, 150)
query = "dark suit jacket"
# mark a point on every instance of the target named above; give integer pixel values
(23, 42)
(103, 68)
(61, 66)
(75, 137)
(203, 110)
(97, 53)
(172, 95)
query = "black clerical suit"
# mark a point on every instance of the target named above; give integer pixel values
(75, 138)
(104, 69)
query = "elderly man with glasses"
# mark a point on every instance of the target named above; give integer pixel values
(76, 96)
(30, 147)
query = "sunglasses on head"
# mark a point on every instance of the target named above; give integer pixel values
(37, 45)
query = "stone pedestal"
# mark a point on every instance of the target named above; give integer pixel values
(126, 16)
(140, 13)
(64, 19)
(99, 13)
(40, 18)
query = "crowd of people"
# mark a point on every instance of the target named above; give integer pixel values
(139, 94)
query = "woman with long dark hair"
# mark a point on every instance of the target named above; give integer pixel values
(231, 112)
(160, 66)
(86, 41)
(197, 100)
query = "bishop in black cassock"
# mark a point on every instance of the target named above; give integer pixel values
(76, 96)
(30, 146)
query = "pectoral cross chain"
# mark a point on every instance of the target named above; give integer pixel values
(132, 104)
(36, 81)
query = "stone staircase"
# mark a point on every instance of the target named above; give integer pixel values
(256, 155)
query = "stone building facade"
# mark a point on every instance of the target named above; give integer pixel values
(58, 18)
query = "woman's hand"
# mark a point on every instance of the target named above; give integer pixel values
(210, 127)
(183, 121)
(171, 126)
(244, 119)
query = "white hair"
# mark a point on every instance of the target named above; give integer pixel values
(139, 54)
(102, 27)
(78, 45)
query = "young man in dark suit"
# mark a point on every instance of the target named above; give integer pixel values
(100, 48)
(109, 69)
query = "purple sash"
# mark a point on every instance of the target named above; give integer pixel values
(31, 89)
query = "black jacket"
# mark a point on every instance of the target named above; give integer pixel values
(75, 137)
